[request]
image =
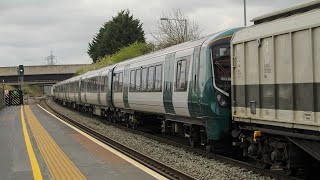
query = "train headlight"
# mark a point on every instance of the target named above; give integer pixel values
(222, 100)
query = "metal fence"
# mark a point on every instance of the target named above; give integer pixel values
(2, 99)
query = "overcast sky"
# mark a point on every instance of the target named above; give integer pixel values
(30, 29)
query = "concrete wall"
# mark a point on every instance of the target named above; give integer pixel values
(38, 70)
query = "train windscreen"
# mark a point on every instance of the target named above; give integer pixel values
(222, 66)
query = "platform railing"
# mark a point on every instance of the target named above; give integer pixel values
(2, 100)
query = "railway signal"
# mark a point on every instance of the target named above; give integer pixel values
(21, 70)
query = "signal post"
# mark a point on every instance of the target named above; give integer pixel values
(20, 70)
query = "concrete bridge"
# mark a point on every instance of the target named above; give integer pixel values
(44, 75)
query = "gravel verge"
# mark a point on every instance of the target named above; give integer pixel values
(189, 163)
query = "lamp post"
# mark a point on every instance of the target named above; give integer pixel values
(245, 13)
(185, 25)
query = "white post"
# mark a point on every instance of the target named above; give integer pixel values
(245, 13)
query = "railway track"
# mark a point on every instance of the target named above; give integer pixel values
(158, 166)
(155, 165)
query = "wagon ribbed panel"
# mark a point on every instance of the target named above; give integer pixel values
(276, 77)
(304, 120)
(280, 26)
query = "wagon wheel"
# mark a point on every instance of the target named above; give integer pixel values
(262, 165)
(289, 171)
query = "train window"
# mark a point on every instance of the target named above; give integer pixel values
(93, 85)
(182, 74)
(158, 78)
(96, 84)
(101, 83)
(144, 79)
(116, 82)
(150, 78)
(106, 83)
(138, 79)
(132, 80)
(87, 85)
(120, 82)
(82, 86)
(196, 59)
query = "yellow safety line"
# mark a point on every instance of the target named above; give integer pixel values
(33, 160)
(58, 163)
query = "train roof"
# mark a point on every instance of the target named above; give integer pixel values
(301, 8)
(190, 44)
(186, 45)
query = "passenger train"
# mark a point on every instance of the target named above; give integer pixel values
(228, 88)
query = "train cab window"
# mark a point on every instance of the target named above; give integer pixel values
(222, 66)
(150, 78)
(120, 85)
(158, 78)
(144, 79)
(138, 79)
(182, 74)
(132, 80)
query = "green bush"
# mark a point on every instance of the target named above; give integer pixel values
(131, 51)
(32, 90)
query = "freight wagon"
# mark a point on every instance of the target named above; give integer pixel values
(276, 87)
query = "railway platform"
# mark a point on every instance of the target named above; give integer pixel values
(37, 145)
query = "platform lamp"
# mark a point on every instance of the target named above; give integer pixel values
(245, 12)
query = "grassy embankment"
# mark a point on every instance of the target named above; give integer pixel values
(131, 51)
(32, 90)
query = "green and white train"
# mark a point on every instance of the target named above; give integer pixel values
(255, 87)
(187, 86)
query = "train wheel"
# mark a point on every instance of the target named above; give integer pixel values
(289, 171)
(263, 165)
(192, 143)
(209, 149)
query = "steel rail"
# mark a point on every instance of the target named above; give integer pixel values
(149, 162)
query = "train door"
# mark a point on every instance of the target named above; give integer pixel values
(85, 89)
(194, 103)
(99, 84)
(126, 86)
(80, 89)
(109, 78)
(168, 83)
(65, 89)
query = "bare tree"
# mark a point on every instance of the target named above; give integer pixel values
(174, 28)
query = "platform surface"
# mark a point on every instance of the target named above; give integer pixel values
(60, 151)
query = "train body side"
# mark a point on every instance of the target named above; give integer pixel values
(276, 74)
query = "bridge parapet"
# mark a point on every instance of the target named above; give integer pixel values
(45, 69)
